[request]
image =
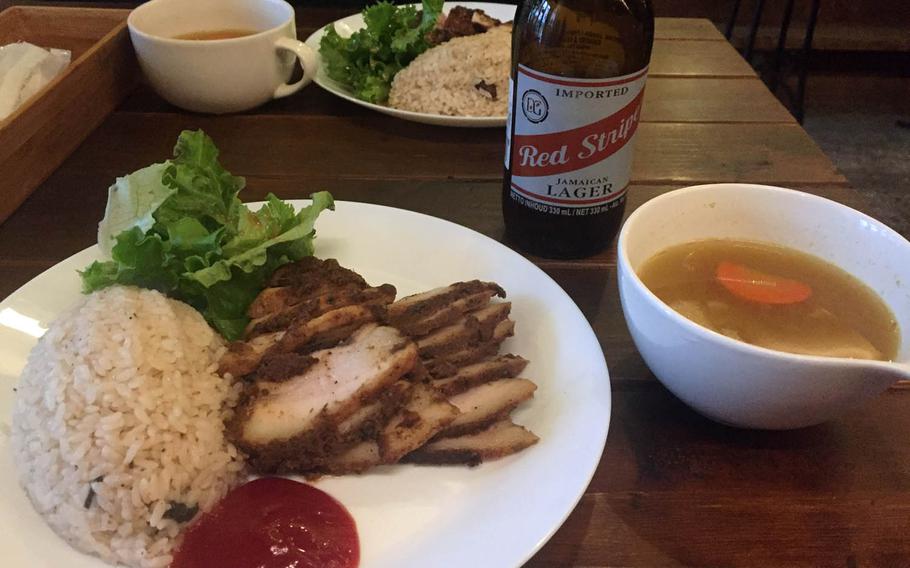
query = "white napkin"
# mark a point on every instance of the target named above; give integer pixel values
(24, 70)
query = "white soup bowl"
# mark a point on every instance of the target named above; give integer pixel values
(740, 384)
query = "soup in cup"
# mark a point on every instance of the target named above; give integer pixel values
(730, 380)
(220, 56)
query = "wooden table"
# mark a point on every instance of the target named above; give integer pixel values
(673, 488)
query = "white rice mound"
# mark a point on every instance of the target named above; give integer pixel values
(443, 79)
(121, 395)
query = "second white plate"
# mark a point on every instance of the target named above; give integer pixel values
(347, 26)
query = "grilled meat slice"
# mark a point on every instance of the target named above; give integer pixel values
(295, 271)
(499, 440)
(499, 367)
(445, 315)
(356, 459)
(419, 373)
(348, 295)
(423, 416)
(311, 271)
(487, 403)
(447, 365)
(283, 366)
(355, 434)
(364, 424)
(410, 310)
(272, 300)
(474, 328)
(482, 20)
(369, 420)
(331, 390)
(242, 357)
(286, 425)
(308, 278)
(326, 330)
(459, 22)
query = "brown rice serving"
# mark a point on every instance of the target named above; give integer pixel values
(465, 76)
(118, 431)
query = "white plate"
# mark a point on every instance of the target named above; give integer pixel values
(495, 515)
(347, 26)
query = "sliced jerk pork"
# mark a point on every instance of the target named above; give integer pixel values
(341, 378)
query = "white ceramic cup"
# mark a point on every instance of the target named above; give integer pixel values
(222, 75)
(741, 384)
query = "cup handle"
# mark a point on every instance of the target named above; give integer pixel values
(308, 62)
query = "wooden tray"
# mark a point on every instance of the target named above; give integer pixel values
(39, 136)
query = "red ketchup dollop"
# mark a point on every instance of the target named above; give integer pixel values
(271, 522)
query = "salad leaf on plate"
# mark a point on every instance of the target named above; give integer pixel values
(179, 227)
(367, 61)
(130, 203)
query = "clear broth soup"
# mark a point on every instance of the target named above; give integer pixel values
(216, 34)
(773, 297)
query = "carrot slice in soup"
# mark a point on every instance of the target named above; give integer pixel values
(753, 285)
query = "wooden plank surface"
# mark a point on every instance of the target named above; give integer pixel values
(39, 232)
(697, 58)
(686, 28)
(675, 489)
(667, 99)
(369, 147)
(710, 99)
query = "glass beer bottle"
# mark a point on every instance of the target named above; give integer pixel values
(578, 77)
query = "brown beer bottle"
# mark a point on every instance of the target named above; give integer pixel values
(578, 77)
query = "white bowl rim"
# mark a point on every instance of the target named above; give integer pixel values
(152, 4)
(719, 338)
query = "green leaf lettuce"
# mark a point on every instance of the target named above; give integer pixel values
(179, 227)
(367, 61)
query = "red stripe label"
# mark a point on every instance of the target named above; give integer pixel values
(570, 150)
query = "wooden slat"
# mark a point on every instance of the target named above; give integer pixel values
(373, 147)
(672, 58)
(686, 28)
(670, 529)
(651, 424)
(695, 153)
(829, 36)
(675, 489)
(666, 100)
(711, 100)
(39, 234)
